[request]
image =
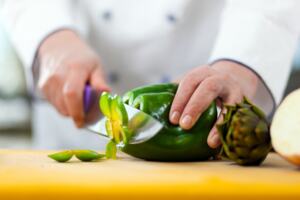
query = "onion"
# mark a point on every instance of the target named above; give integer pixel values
(285, 128)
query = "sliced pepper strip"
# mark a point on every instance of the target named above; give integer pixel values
(116, 121)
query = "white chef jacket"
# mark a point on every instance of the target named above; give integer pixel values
(143, 41)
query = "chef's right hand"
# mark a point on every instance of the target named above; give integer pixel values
(66, 64)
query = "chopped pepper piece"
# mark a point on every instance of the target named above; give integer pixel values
(63, 156)
(111, 150)
(87, 155)
(83, 155)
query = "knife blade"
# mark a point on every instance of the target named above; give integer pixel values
(143, 126)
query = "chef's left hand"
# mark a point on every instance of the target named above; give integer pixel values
(225, 80)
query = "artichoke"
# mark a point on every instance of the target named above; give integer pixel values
(245, 134)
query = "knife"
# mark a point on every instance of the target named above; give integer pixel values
(95, 120)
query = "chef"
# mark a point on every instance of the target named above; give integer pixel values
(212, 48)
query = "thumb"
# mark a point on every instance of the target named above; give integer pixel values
(213, 139)
(98, 81)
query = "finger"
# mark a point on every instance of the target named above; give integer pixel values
(213, 139)
(52, 91)
(59, 104)
(206, 92)
(234, 97)
(184, 92)
(98, 81)
(56, 97)
(73, 95)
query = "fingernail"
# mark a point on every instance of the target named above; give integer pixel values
(79, 124)
(186, 122)
(175, 117)
(215, 140)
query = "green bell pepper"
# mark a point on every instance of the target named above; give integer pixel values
(172, 143)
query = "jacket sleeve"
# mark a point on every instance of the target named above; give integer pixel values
(29, 22)
(260, 34)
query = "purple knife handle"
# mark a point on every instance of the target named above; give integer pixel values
(87, 98)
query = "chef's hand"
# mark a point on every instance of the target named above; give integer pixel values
(225, 80)
(66, 64)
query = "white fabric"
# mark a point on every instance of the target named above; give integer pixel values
(142, 41)
(262, 35)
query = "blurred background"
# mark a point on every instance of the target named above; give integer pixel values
(15, 117)
(15, 102)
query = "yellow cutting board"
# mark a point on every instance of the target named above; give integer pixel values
(31, 175)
